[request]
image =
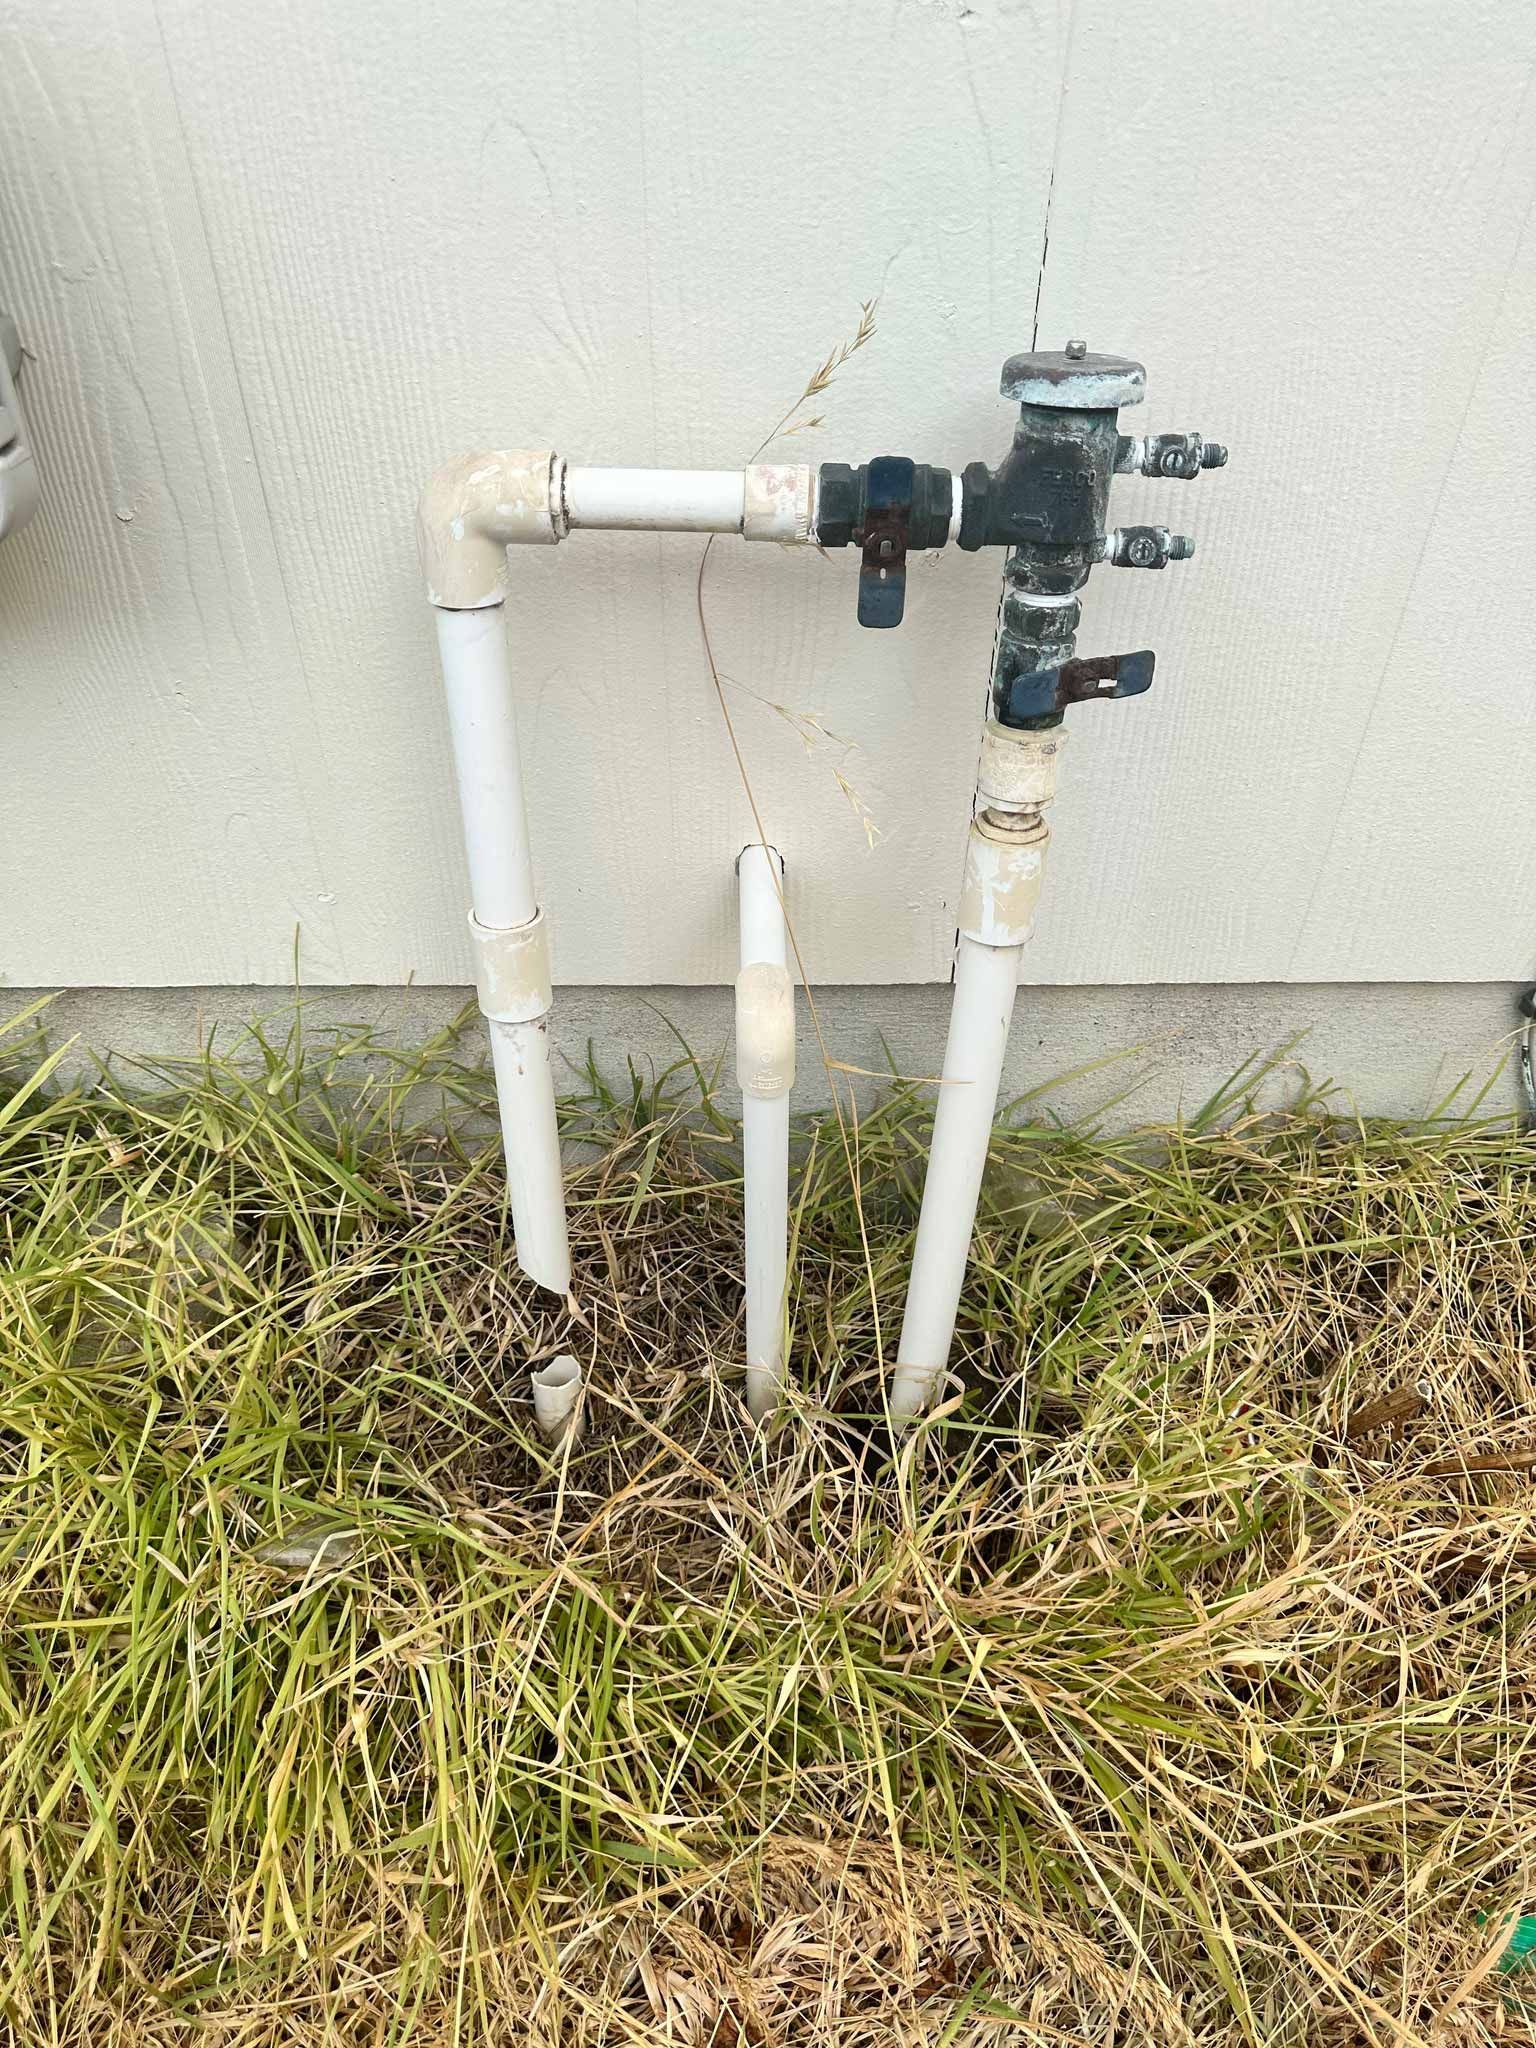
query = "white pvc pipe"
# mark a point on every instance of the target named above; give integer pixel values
(1004, 869)
(765, 1150)
(483, 720)
(557, 1397)
(986, 979)
(530, 1140)
(662, 500)
(765, 1024)
(760, 878)
(511, 963)
(475, 508)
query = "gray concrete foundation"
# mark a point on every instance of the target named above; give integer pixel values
(1117, 1055)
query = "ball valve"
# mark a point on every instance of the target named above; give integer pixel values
(1046, 503)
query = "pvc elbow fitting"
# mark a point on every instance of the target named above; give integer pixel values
(471, 512)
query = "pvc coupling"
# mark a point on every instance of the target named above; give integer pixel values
(1005, 850)
(512, 978)
(765, 1030)
(1004, 872)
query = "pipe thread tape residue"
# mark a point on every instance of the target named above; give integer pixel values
(512, 970)
(765, 1030)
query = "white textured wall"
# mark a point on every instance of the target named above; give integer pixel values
(275, 261)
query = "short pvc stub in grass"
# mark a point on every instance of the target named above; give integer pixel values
(557, 1389)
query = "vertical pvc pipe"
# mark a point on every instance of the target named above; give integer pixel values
(1004, 871)
(482, 717)
(986, 979)
(512, 963)
(530, 1138)
(765, 1054)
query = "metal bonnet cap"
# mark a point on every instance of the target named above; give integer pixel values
(1073, 380)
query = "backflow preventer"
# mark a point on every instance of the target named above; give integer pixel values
(1046, 504)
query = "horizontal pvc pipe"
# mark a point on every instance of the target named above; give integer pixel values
(656, 500)
(477, 677)
(986, 980)
(764, 1125)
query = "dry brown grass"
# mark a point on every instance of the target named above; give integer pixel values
(1136, 1698)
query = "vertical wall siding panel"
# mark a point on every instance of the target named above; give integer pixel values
(631, 233)
(1432, 859)
(1303, 219)
(277, 262)
(166, 801)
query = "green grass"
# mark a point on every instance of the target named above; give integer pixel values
(1132, 1698)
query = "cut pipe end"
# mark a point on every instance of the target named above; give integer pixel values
(546, 1271)
(557, 1391)
(756, 850)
